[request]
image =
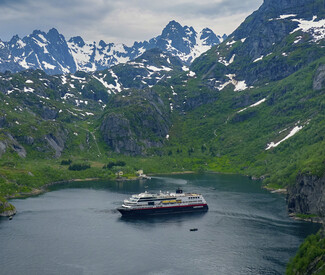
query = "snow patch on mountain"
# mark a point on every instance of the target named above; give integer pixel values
(258, 59)
(117, 85)
(223, 61)
(239, 85)
(315, 28)
(283, 16)
(294, 131)
(48, 66)
(28, 90)
(253, 105)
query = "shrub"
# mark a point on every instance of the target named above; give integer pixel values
(66, 162)
(79, 166)
(111, 164)
(120, 163)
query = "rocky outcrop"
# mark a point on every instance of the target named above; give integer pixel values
(307, 196)
(3, 148)
(319, 78)
(16, 146)
(6, 209)
(57, 141)
(135, 124)
(11, 142)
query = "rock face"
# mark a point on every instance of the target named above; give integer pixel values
(307, 196)
(136, 124)
(57, 142)
(319, 78)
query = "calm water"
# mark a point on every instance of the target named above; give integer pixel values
(75, 229)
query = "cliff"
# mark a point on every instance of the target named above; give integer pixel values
(307, 196)
(132, 125)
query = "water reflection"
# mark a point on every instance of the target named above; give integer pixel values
(181, 217)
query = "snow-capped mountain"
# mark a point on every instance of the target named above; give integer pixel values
(53, 54)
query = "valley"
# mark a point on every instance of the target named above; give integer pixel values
(252, 104)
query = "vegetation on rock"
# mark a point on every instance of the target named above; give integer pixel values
(310, 258)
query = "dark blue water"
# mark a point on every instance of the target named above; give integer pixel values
(75, 229)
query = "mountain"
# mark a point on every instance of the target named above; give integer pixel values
(268, 75)
(53, 54)
(253, 104)
(277, 40)
(46, 107)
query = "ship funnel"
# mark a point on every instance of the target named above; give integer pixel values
(179, 191)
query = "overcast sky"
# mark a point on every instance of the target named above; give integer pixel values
(120, 21)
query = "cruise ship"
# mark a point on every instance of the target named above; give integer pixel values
(163, 203)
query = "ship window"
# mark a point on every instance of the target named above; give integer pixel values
(151, 203)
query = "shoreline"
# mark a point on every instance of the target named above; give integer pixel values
(44, 189)
(172, 173)
(276, 191)
(315, 219)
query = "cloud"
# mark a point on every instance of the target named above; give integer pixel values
(119, 21)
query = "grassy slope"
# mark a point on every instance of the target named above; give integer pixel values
(239, 140)
(213, 137)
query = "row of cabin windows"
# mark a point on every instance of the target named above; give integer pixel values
(163, 199)
(153, 203)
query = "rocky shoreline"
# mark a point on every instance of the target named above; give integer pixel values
(307, 196)
(313, 219)
(7, 209)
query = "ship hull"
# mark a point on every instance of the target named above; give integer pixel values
(162, 210)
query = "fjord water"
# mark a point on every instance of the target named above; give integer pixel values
(75, 229)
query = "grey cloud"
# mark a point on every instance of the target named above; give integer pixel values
(117, 20)
(230, 7)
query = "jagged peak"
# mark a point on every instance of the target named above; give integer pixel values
(173, 23)
(188, 29)
(176, 39)
(14, 39)
(172, 27)
(54, 34)
(207, 30)
(35, 33)
(77, 40)
(102, 44)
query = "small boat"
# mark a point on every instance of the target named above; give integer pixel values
(194, 229)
